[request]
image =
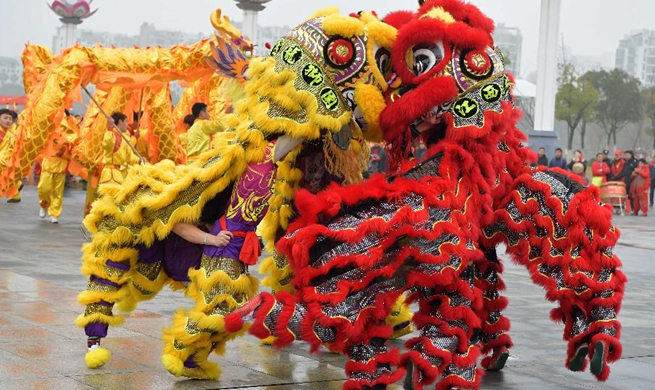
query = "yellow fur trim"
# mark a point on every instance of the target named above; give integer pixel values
(325, 12)
(343, 25)
(97, 357)
(377, 72)
(83, 320)
(172, 364)
(267, 86)
(384, 35)
(220, 339)
(201, 281)
(205, 370)
(88, 297)
(127, 304)
(276, 276)
(439, 13)
(400, 313)
(178, 331)
(370, 101)
(268, 341)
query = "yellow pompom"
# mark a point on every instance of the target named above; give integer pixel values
(97, 357)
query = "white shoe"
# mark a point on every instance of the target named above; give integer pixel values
(42, 213)
(54, 220)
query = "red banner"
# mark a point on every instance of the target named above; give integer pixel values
(18, 100)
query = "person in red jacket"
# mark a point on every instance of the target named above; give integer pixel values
(599, 170)
(619, 170)
(640, 186)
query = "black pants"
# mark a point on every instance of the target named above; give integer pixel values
(652, 190)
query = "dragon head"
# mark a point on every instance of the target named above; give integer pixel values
(445, 62)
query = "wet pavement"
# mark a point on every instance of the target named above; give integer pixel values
(40, 348)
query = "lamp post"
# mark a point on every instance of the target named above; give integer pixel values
(71, 15)
(543, 134)
(250, 9)
(547, 66)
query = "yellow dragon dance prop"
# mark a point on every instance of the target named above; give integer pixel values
(307, 107)
(55, 83)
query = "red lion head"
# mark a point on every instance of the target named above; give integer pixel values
(445, 62)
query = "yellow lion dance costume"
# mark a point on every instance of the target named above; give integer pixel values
(301, 122)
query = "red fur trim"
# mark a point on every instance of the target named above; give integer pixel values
(450, 381)
(258, 328)
(471, 30)
(504, 340)
(397, 117)
(461, 11)
(233, 323)
(398, 19)
(284, 335)
(429, 372)
(615, 348)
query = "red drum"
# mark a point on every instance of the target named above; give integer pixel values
(613, 192)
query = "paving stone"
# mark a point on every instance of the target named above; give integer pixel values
(40, 347)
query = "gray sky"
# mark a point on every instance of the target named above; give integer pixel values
(588, 27)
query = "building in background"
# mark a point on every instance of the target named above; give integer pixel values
(636, 55)
(510, 42)
(586, 63)
(11, 76)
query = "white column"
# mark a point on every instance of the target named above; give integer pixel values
(250, 24)
(547, 66)
(69, 34)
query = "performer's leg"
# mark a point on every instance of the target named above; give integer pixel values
(44, 189)
(358, 327)
(218, 287)
(495, 325)
(371, 364)
(564, 236)
(132, 275)
(58, 182)
(16, 198)
(108, 283)
(278, 278)
(148, 278)
(449, 337)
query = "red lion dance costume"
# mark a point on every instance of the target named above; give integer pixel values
(431, 229)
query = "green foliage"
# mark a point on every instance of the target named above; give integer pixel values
(648, 100)
(575, 101)
(620, 100)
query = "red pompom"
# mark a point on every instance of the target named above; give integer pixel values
(267, 45)
(340, 52)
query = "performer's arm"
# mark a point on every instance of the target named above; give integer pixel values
(194, 235)
(212, 127)
(428, 122)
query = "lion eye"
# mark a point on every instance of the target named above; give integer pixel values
(383, 60)
(426, 57)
